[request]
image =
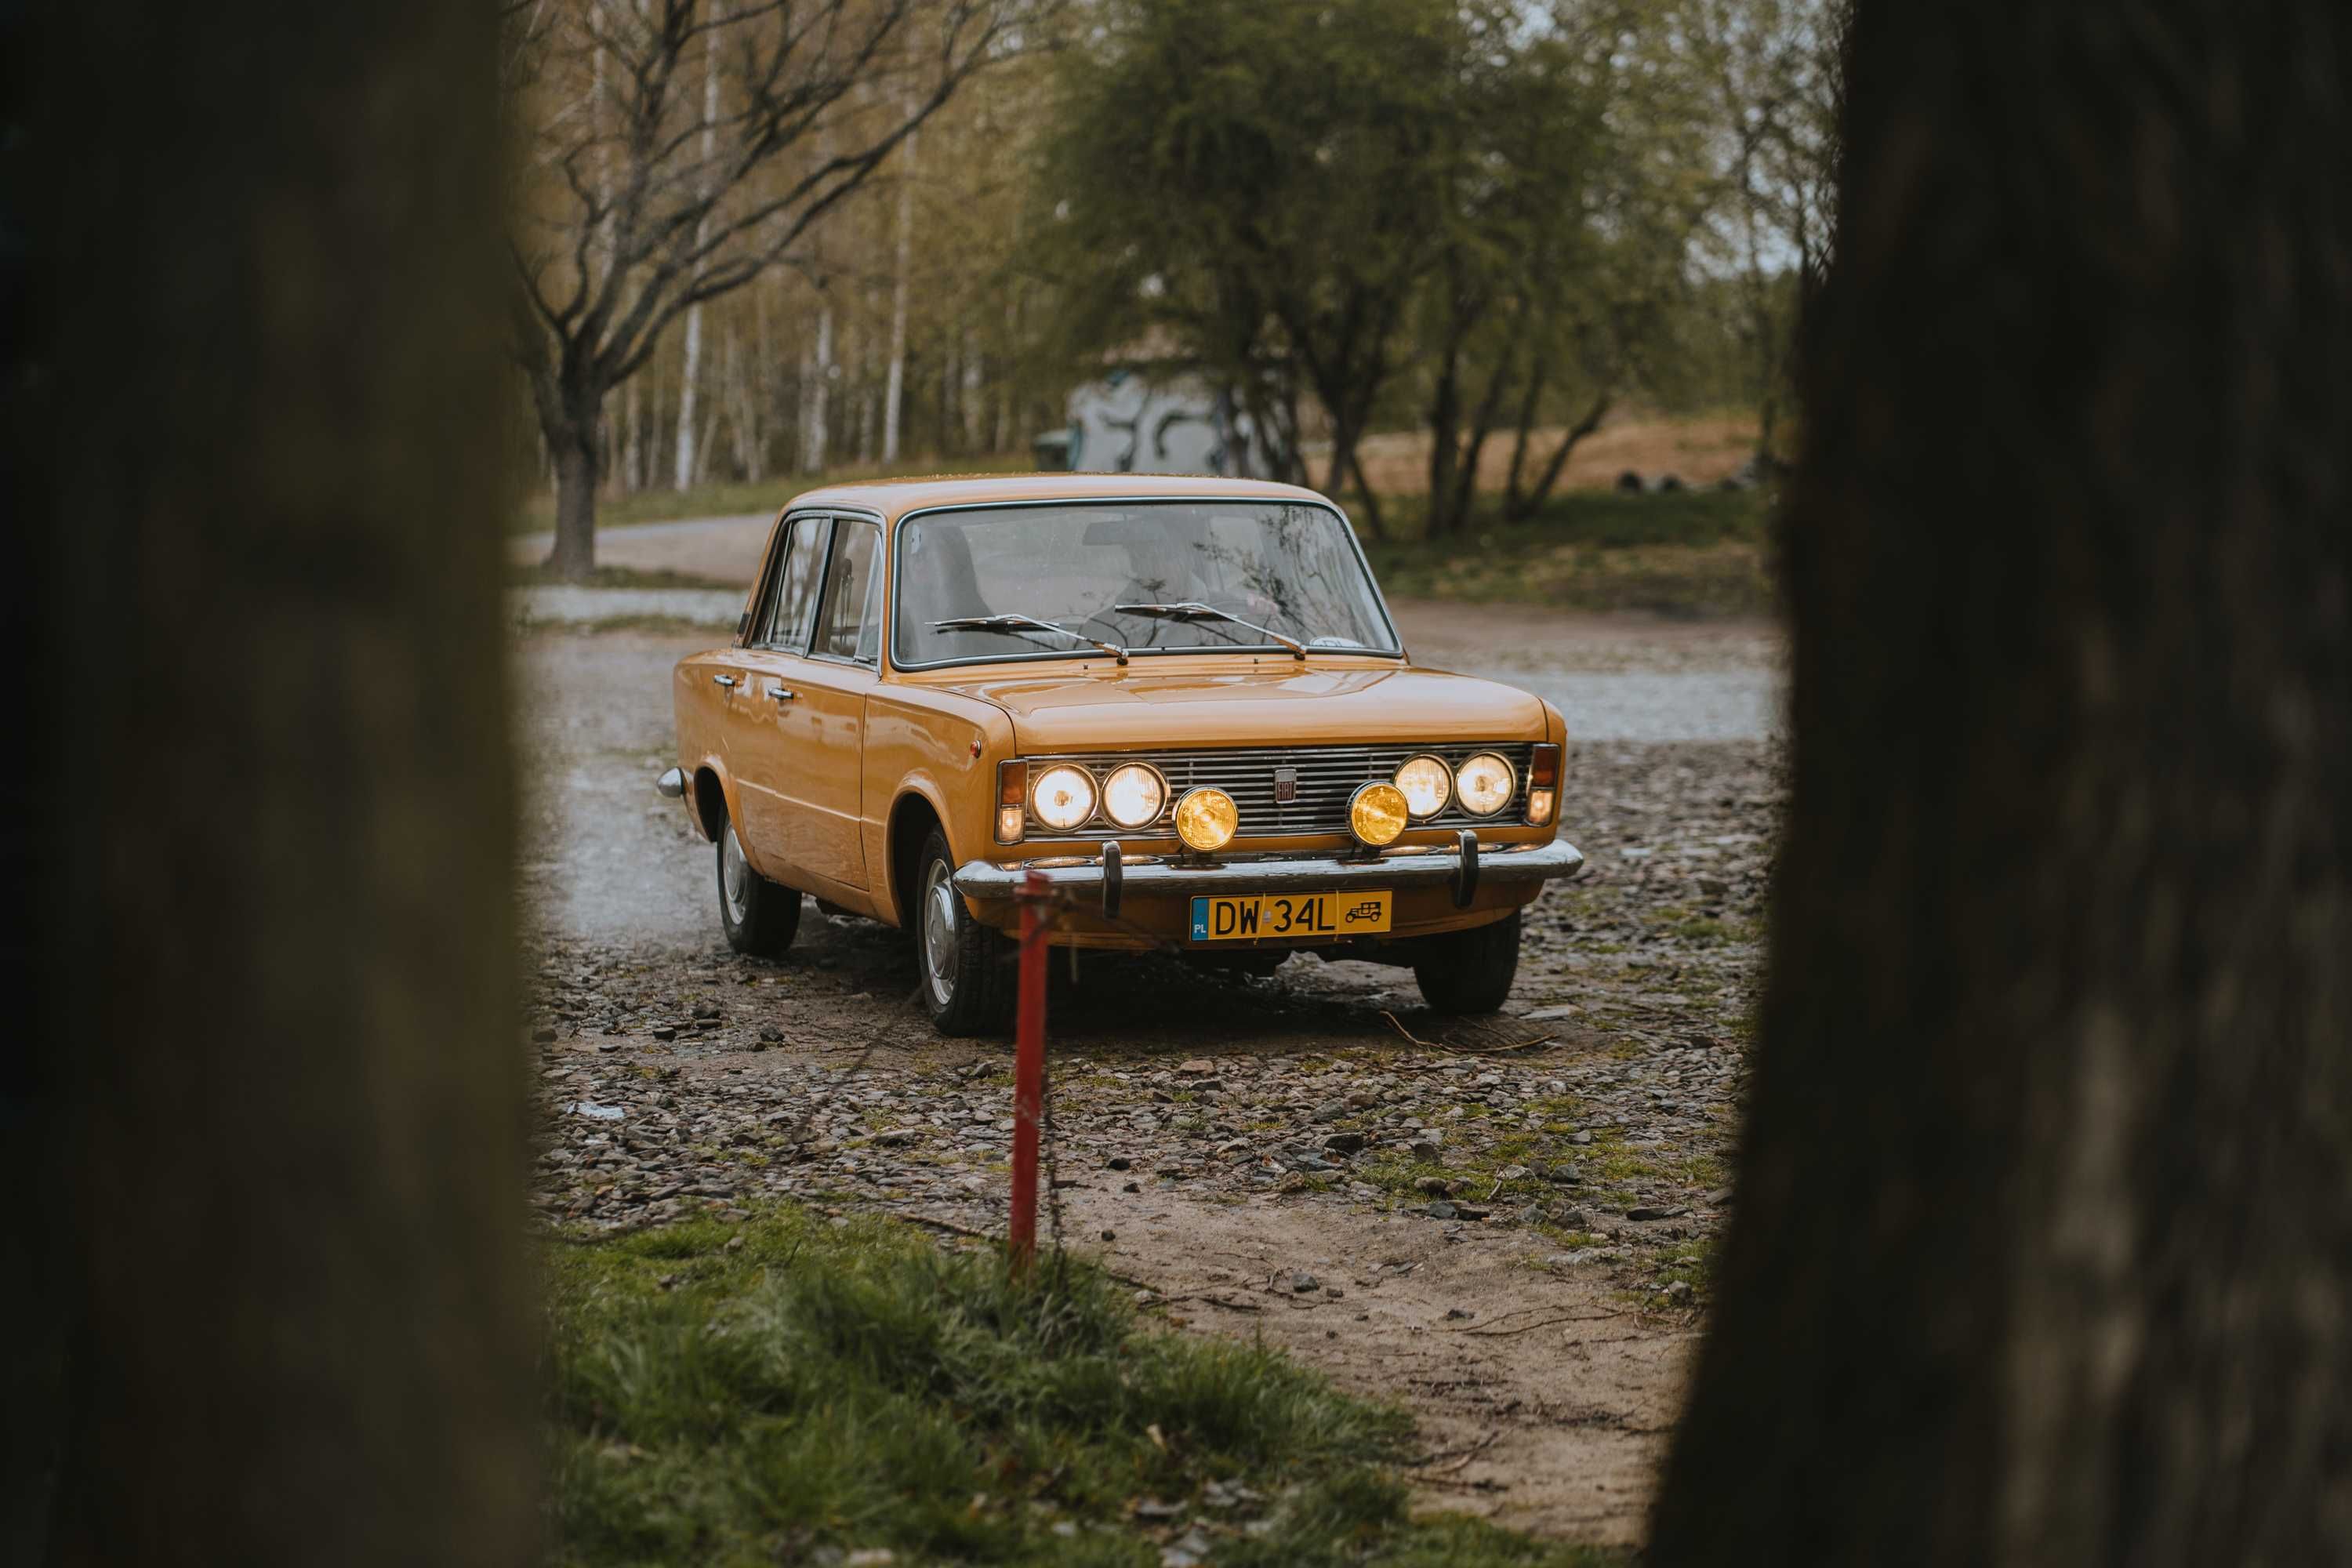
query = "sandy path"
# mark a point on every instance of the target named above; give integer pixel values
(1543, 1401)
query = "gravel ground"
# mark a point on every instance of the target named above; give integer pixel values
(1507, 1224)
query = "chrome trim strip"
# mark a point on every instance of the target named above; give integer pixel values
(987, 881)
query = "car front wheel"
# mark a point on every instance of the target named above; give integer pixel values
(1470, 970)
(966, 970)
(761, 917)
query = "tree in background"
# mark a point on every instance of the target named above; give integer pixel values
(1772, 71)
(275, 951)
(1565, 235)
(2044, 1251)
(1259, 187)
(1480, 207)
(677, 151)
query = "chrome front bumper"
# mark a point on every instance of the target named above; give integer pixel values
(1465, 866)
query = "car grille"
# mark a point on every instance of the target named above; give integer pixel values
(1327, 776)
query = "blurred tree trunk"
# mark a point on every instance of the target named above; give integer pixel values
(2044, 1251)
(277, 922)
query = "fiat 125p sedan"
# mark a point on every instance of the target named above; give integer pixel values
(1182, 699)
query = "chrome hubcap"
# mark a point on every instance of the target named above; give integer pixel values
(734, 875)
(940, 934)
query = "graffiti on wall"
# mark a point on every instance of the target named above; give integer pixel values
(1128, 423)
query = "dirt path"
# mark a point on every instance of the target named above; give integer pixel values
(1564, 1162)
(1543, 1401)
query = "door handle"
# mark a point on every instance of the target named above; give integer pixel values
(780, 694)
(722, 680)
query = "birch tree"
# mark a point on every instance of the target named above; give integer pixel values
(693, 365)
(902, 246)
(624, 224)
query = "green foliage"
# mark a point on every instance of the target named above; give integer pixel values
(1407, 209)
(751, 1393)
(1256, 188)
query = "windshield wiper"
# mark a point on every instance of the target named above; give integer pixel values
(1193, 610)
(1024, 623)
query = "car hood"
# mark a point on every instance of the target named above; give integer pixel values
(1262, 704)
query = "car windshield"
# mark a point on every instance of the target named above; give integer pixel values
(1290, 568)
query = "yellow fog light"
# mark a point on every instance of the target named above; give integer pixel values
(1377, 814)
(1486, 783)
(1206, 819)
(1063, 797)
(1428, 784)
(1134, 795)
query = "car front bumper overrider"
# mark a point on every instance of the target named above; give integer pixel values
(1465, 866)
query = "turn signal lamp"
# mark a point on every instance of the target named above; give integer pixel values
(1206, 820)
(1377, 812)
(1486, 784)
(1428, 784)
(1011, 793)
(1543, 785)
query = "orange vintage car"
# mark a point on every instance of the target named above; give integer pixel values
(1182, 701)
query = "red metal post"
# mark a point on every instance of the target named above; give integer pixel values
(1028, 1071)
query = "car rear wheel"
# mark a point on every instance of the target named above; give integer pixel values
(761, 917)
(1470, 970)
(966, 970)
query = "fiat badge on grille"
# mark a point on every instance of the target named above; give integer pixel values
(1286, 786)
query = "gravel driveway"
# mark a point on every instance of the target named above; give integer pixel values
(1506, 1224)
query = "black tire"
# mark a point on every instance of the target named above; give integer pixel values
(764, 917)
(964, 968)
(1470, 970)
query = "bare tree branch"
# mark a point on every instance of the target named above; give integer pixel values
(652, 207)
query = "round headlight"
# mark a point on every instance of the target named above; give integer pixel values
(1206, 819)
(1063, 797)
(1134, 795)
(1377, 814)
(1428, 784)
(1486, 783)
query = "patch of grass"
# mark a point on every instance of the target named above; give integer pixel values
(1609, 1160)
(1683, 553)
(759, 1393)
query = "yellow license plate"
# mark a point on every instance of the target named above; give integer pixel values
(1255, 916)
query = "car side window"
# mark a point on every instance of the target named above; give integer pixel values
(850, 624)
(751, 629)
(792, 605)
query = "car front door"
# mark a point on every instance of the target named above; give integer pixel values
(802, 760)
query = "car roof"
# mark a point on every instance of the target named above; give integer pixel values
(895, 497)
